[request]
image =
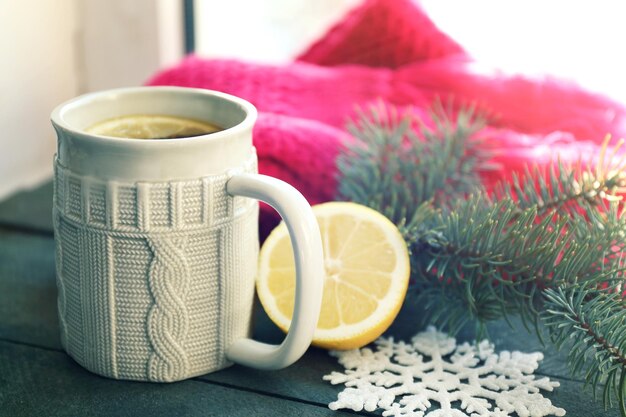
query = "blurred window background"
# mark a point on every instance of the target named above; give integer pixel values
(56, 49)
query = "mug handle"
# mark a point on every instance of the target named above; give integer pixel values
(307, 247)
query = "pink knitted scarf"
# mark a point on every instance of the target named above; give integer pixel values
(390, 50)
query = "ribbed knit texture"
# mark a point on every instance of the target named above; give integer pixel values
(331, 95)
(382, 33)
(390, 51)
(155, 279)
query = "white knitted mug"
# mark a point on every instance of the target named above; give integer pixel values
(157, 245)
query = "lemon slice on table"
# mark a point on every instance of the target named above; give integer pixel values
(151, 126)
(367, 275)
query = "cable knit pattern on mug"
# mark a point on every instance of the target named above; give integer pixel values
(168, 320)
(144, 292)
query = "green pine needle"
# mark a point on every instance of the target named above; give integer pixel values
(397, 156)
(591, 323)
(538, 247)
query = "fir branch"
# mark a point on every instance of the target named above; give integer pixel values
(398, 153)
(491, 249)
(566, 188)
(590, 323)
(513, 255)
(540, 246)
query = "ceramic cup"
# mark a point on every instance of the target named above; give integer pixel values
(157, 241)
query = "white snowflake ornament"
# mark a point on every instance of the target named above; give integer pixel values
(467, 380)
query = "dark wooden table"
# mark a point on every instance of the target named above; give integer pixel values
(38, 379)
